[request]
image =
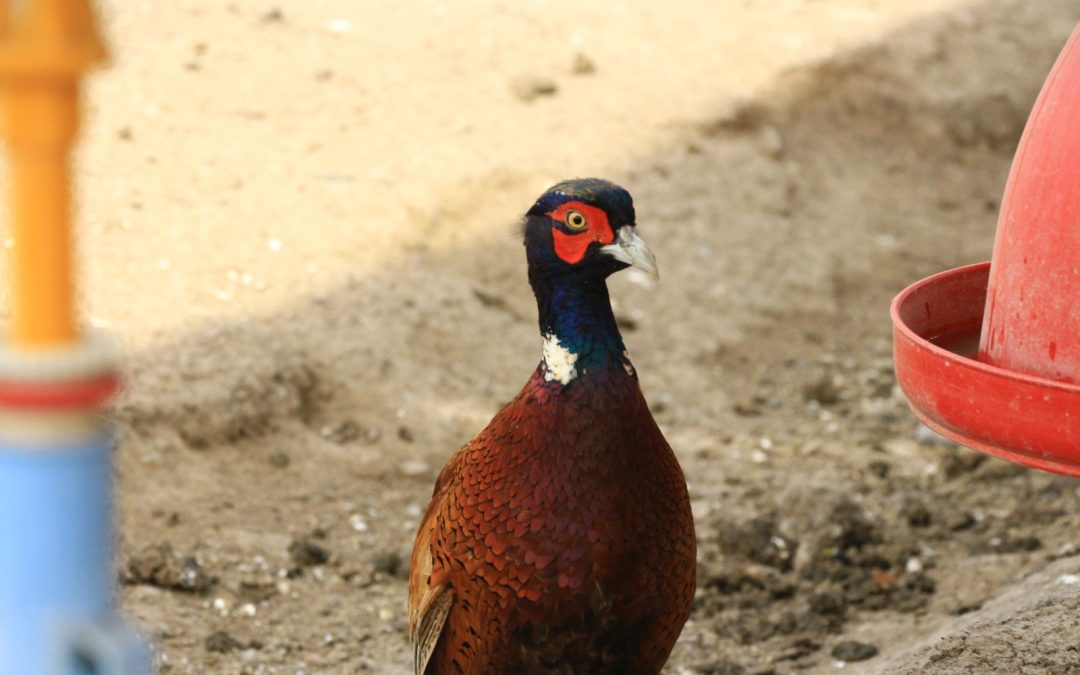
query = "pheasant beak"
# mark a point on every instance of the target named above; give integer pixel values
(630, 249)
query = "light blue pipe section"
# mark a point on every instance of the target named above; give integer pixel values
(56, 574)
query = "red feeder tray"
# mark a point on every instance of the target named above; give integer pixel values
(989, 354)
(1022, 418)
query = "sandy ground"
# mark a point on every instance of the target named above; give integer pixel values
(298, 218)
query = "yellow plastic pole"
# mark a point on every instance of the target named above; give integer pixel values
(57, 593)
(46, 48)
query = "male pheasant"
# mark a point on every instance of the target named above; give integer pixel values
(560, 539)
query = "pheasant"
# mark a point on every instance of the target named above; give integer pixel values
(560, 539)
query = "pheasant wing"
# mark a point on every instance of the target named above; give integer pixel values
(429, 600)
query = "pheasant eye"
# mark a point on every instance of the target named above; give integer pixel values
(576, 220)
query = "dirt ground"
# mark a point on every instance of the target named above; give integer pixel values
(298, 218)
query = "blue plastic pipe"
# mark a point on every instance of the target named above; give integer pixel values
(56, 579)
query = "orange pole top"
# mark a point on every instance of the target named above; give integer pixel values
(44, 50)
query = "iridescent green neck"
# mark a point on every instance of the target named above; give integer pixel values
(578, 326)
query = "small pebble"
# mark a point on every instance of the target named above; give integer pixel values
(721, 667)
(828, 604)
(414, 467)
(824, 391)
(773, 141)
(583, 65)
(222, 643)
(916, 513)
(959, 521)
(339, 26)
(528, 88)
(389, 563)
(343, 432)
(850, 651)
(306, 553)
(162, 567)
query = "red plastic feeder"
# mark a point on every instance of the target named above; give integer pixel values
(989, 354)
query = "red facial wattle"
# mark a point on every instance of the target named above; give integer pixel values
(571, 246)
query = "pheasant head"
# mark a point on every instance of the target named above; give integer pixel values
(577, 234)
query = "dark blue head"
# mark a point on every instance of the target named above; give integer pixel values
(584, 226)
(576, 234)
